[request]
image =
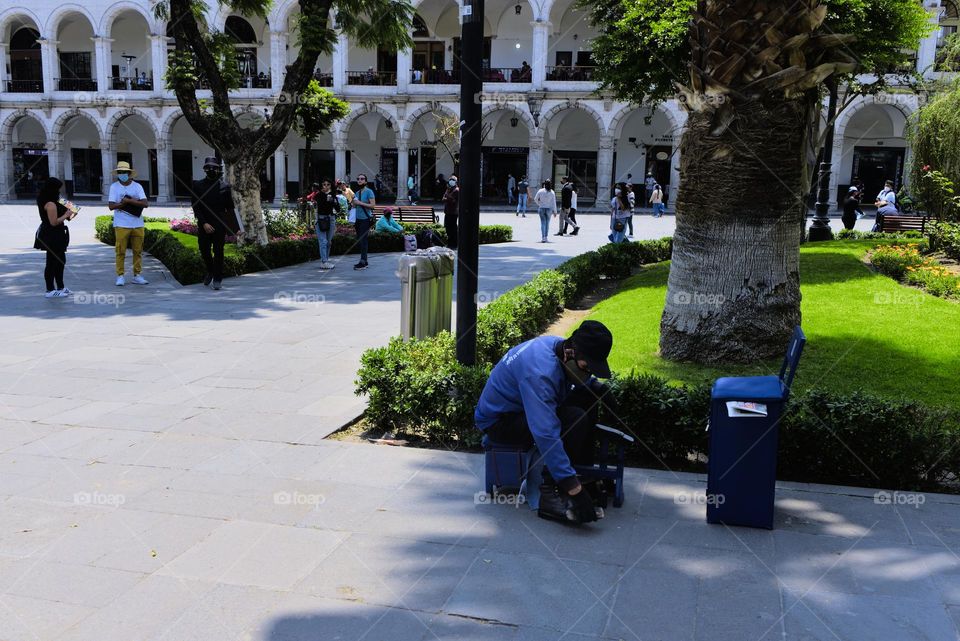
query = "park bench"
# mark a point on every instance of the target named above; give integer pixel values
(409, 213)
(903, 223)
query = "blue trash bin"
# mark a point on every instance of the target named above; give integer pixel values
(744, 430)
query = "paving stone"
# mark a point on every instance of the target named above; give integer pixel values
(27, 619)
(84, 585)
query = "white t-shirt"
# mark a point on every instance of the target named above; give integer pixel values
(117, 192)
(890, 198)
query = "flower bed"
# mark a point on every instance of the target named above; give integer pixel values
(908, 263)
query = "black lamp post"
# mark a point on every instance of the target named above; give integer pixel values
(820, 229)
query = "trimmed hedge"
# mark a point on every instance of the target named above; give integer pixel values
(187, 267)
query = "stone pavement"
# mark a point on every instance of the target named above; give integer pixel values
(164, 475)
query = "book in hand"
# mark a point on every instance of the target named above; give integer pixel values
(68, 205)
(745, 409)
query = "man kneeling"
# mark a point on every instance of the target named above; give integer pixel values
(543, 392)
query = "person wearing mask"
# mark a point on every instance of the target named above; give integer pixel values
(127, 201)
(656, 201)
(523, 190)
(632, 199)
(546, 201)
(650, 182)
(856, 182)
(619, 212)
(566, 200)
(572, 216)
(212, 201)
(412, 190)
(363, 201)
(451, 210)
(511, 188)
(387, 225)
(328, 206)
(545, 392)
(850, 207)
(886, 203)
(344, 187)
(53, 236)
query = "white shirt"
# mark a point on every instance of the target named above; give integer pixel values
(891, 200)
(657, 197)
(117, 192)
(573, 200)
(546, 200)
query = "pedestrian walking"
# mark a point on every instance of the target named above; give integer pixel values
(572, 216)
(53, 237)
(650, 182)
(212, 201)
(523, 189)
(412, 190)
(127, 201)
(632, 200)
(566, 207)
(656, 201)
(850, 206)
(619, 212)
(451, 209)
(328, 207)
(363, 203)
(546, 201)
(511, 188)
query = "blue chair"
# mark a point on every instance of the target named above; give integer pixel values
(766, 387)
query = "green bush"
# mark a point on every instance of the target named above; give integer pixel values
(896, 260)
(945, 237)
(853, 234)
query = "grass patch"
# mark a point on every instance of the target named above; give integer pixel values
(189, 241)
(865, 331)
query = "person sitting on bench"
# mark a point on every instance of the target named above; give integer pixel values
(544, 392)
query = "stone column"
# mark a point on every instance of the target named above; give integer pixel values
(404, 69)
(158, 53)
(340, 63)
(55, 153)
(403, 172)
(4, 59)
(102, 53)
(108, 151)
(50, 63)
(535, 162)
(164, 164)
(604, 168)
(339, 158)
(6, 171)
(541, 38)
(278, 59)
(279, 174)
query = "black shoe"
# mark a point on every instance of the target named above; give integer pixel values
(360, 265)
(576, 230)
(559, 233)
(554, 505)
(216, 284)
(207, 280)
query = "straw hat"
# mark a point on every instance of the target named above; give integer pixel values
(123, 167)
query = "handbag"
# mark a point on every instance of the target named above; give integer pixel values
(37, 244)
(618, 226)
(323, 222)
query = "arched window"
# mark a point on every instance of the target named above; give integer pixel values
(240, 30)
(25, 38)
(26, 70)
(243, 34)
(949, 22)
(419, 27)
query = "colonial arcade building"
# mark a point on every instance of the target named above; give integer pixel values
(81, 88)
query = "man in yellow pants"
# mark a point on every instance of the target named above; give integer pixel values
(127, 201)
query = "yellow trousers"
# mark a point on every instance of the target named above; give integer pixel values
(133, 237)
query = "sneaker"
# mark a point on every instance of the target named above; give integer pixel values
(207, 280)
(53, 293)
(328, 265)
(523, 215)
(559, 233)
(120, 281)
(554, 506)
(360, 266)
(140, 280)
(216, 284)
(65, 291)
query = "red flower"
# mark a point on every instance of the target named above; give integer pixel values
(926, 167)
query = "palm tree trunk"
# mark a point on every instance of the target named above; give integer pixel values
(244, 177)
(733, 293)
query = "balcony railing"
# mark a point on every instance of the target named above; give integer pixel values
(76, 84)
(325, 79)
(575, 72)
(261, 81)
(130, 84)
(435, 77)
(371, 77)
(25, 86)
(508, 74)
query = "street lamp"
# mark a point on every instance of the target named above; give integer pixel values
(820, 229)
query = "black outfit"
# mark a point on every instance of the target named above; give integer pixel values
(451, 209)
(53, 239)
(566, 202)
(212, 202)
(850, 208)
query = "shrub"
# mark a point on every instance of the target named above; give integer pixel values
(893, 260)
(853, 234)
(283, 222)
(934, 279)
(945, 237)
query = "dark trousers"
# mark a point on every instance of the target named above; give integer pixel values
(363, 236)
(450, 223)
(571, 219)
(211, 250)
(53, 270)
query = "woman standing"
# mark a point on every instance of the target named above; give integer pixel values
(53, 236)
(451, 209)
(619, 212)
(328, 206)
(546, 200)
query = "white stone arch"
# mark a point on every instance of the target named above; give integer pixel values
(6, 128)
(411, 120)
(61, 122)
(906, 105)
(564, 106)
(8, 16)
(166, 127)
(523, 114)
(114, 10)
(616, 125)
(341, 128)
(222, 12)
(56, 17)
(118, 117)
(279, 17)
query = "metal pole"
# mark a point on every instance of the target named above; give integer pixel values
(471, 86)
(820, 229)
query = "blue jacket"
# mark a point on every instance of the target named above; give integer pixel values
(530, 379)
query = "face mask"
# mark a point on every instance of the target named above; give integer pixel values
(452, 183)
(123, 177)
(212, 174)
(616, 192)
(574, 374)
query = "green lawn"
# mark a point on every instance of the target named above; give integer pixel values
(864, 331)
(187, 240)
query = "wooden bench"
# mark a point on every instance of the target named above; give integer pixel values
(891, 223)
(409, 213)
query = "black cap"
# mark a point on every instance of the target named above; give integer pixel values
(593, 342)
